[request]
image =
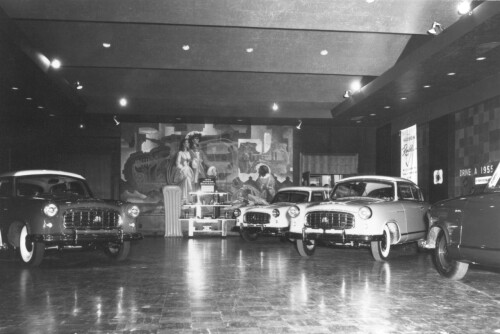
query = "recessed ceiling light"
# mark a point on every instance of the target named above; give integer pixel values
(403, 98)
(185, 47)
(239, 120)
(56, 63)
(370, 1)
(178, 118)
(355, 86)
(373, 114)
(324, 52)
(480, 58)
(40, 107)
(275, 106)
(106, 45)
(52, 115)
(358, 121)
(123, 102)
(15, 88)
(427, 86)
(249, 50)
(78, 85)
(463, 7)
(387, 107)
(29, 98)
(451, 73)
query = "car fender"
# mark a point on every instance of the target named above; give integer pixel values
(395, 231)
(14, 233)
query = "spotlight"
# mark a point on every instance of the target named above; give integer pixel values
(56, 63)
(347, 94)
(436, 29)
(78, 85)
(116, 120)
(275, 107)
(299, 125)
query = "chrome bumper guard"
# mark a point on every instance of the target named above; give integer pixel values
(266, 230)
(84, 237)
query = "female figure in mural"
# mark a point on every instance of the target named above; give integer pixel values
(184, 174)
(266, 183)
(197, 155)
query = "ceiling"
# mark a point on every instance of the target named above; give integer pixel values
(382, 43)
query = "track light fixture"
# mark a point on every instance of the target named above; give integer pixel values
(116, 120)
(347, 94)
(299, 125)
(436, 29)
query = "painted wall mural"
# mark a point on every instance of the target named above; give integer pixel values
(242, 159)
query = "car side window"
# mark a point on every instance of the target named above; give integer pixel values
(408, 191)
(27, 189)
(5, 188)
(317, 196)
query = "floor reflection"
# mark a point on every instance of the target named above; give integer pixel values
(214, 285)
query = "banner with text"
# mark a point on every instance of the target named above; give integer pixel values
(409, 163)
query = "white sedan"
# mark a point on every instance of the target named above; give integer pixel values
(272, 219)
(373, 211)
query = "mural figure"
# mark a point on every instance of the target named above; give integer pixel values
(266, 183)
(198, 159)
(184, 175)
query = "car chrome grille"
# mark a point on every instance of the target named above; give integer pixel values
(329, 220)
(94, 219)
(257, 218)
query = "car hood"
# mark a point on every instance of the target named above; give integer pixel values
(348, 201)
(79, 200)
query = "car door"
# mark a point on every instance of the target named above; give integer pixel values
(414, 211)
(480, 240)
(5, 199)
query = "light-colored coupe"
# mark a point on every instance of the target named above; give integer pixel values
(373, 211)
(272, 219)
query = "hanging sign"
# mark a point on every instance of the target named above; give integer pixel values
(409, 163)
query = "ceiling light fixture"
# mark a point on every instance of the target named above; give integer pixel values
(387, 107)
(78, 85)
(106, 45)
(185, 47)
(15, 88)
(29, 98)
(403, 98)
(427, 86)
(249, 50)
(324, 52)
(464, 8)
(436, 29)
(299, 125)
(480, 58)
(355, 86)
(347, 94)
(116, 120)
(40, 107)
(123, 102)
(56, 63)
(275, 107)
(451, 74)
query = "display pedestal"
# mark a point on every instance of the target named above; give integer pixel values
(203, 216)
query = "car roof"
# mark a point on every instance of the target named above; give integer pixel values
(41, 172)
(376, 177)
(305, 188)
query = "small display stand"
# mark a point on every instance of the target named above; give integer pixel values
(203, 214)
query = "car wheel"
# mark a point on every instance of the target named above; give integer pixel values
(443, 262)
(31, 253)
(382, 248)
(306, 247)
(247, 236)
(118, 252)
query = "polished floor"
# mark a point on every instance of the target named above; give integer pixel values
(214, 285)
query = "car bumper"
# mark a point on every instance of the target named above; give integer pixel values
(335, 237)
(84, 238)
(265, 230)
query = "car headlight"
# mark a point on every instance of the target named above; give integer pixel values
(365, 212)
(237, 212)
(276, 213)
(294, 211)
(50, 210)
(133, 211)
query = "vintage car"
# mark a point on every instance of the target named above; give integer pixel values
(466, 230)
(373, 211)
(44, 209)
(272, 219)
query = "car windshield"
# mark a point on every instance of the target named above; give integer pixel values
(364, 188)
(291, 196)
(51, 185)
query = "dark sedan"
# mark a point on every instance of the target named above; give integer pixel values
(466, 230)
(43, 209)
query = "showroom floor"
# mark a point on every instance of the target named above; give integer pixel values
(214, 285)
